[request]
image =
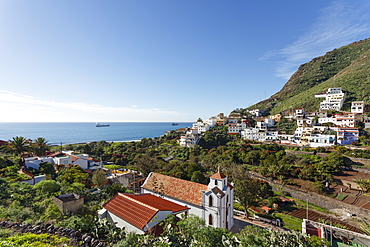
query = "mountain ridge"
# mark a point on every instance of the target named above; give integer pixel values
(347, 67)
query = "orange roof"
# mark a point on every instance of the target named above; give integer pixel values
(138, 210)
(95, 160)
(55, 154)
(74, 158)
(158, 203)
(177, 188)
(218, 175)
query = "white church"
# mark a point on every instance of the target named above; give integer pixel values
(212, 202)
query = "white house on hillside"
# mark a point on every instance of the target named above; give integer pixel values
(212, 202)
(358, 107)
(334, 99)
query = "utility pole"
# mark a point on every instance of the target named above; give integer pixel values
(307, 208)
(331, 233)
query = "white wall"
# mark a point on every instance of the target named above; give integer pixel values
(81, 163)
(121, 223)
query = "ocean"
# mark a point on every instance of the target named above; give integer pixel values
(69, 133)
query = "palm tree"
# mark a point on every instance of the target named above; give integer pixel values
(40, 146)
(19, 145)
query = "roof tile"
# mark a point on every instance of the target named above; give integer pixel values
(177, 188)
(138, 210)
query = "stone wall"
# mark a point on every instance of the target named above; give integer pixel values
(316, 199)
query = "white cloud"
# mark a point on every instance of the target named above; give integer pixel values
(17, 107)
(341, 23)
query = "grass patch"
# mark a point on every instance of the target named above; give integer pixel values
(290, 222)
(113, 167)
(341, 196)
(31, 239)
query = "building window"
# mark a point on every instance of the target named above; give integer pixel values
(210, 201)
(210, 220)
(216, 182)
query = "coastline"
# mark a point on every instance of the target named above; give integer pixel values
(82, 133)
(81, 143)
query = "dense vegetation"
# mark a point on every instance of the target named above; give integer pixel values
(192, 231)
(21, 202)
(347, 67)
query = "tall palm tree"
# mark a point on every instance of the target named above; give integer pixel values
(19, 145)
(40, 146)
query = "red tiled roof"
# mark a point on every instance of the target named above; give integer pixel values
(267, 209)
(283, 199)
(95, 160)
(218, 175)
(74, 158)
(176, 188)
(55, 154)
(138, 210)
(127, 209)
(158, 203)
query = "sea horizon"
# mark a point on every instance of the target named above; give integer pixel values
(86, 132)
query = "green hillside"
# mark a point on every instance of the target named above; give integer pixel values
(347, 67)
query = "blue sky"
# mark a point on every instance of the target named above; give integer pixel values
(159, 60)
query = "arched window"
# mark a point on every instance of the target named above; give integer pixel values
(210, 201)
(210, 220)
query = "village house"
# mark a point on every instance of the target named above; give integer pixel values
(256, 112)
(264, 123)
(286, 138)
(221, 119)
(189, 140)
(211, 122)
(260, 135)
(130, 179)
(342, 120)
(65, 158)
(319, 140)
(358, 107)
(367, 122)
(334, 99)
(139, 213)
(212, 202)
(235, 115)
(276, 117)
(235, 128)
(346, 135)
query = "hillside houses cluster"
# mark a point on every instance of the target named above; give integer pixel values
(63, 159)
(314, 129)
